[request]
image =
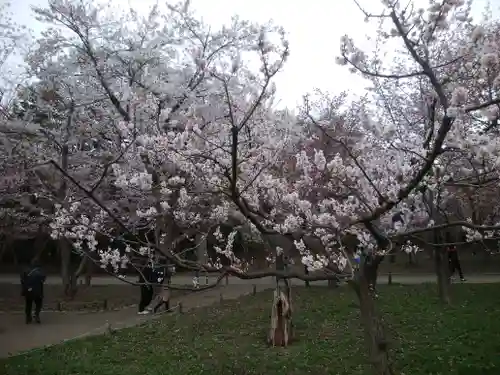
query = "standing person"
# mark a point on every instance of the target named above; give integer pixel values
(158, 278)
(196, 279)
(146, 279)
(32, 281)
(454, 262)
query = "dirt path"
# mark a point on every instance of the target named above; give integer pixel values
(16, 337)
(56, 327)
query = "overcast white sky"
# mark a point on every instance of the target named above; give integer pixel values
(314, 27)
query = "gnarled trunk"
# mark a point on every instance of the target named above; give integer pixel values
(374, 331)
(280, 333)
(70, 278)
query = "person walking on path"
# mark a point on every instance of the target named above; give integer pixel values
(32, 281)
(454, 262)
(146, 278)
(196, 279)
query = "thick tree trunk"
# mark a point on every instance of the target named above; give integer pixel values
(440, 261)
(164, 232)
(89, 270)
(69, 284)
(280, 333)
(375, 338)
(70, 278)
(442, 273)
(371, 273)
(65, 254)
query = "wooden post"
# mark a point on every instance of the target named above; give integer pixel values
(221, 298)
(180, 308)
(254, 290)
(227, 279)
(105, 304)
(389, 280)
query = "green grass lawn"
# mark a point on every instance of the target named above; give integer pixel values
(230, 339)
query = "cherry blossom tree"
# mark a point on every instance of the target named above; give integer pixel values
(176, 134)
(405, 141)
(200, 141)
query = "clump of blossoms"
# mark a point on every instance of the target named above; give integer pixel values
(81, 231)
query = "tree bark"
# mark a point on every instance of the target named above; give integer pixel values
(371, 273)
(69, 284)
(440, 263)
(164, 231)
(89, 269)
(441, 268)
(442, 273)
(70, 278)
(280, 333)
(374, 331)
(65, 254)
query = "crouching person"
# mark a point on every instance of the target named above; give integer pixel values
(163, 299)
(32, 281)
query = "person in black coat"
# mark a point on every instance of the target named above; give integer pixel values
(146, 278)
(454, 262)
(32, 281)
